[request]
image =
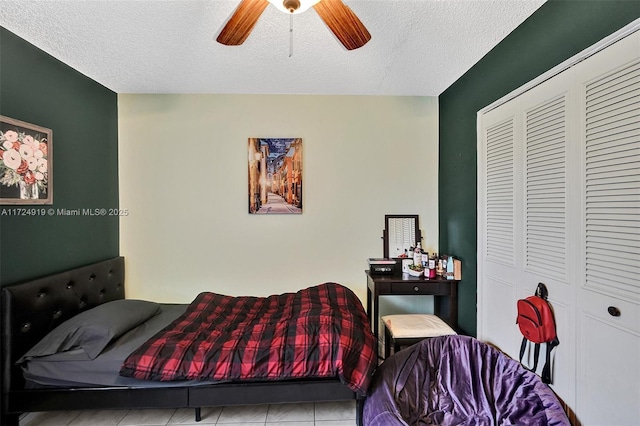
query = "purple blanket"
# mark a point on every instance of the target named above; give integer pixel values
(458, 380)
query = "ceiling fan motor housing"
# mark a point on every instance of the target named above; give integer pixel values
(291, 5)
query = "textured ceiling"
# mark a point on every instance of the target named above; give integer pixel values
(418, 47)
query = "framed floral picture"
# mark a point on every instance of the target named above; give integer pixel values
(275, 175)
(25, 163)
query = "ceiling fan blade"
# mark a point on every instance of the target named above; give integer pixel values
(239, 26)
(343, 23)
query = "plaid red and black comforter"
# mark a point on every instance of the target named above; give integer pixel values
(321, 331)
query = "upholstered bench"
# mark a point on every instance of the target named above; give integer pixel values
(408, 329)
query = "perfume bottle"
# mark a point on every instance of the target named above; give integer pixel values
(417, 254)
(439, 266)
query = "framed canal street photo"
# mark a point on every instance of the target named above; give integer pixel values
(275, 175)
(25, 163)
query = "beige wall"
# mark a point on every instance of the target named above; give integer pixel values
(183, 180)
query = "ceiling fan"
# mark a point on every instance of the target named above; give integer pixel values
(340, 19)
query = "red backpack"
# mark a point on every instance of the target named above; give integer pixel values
(537, 325)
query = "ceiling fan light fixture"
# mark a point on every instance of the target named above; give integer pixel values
(293, 7)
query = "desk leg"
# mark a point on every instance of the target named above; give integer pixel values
(453, 306)
(438, 306)
(369, 313)
(369, 310)
(376, 303)
(446, 307)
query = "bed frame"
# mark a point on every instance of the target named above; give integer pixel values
(31, 309)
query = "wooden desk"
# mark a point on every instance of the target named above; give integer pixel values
(444, 290)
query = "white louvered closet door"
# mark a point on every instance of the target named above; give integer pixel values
(550, 208)
(609, 295)
(559, 203)
(524, 225)
(498, 221)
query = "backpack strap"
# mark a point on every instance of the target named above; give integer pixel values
(546, 370)
(523, 346)
(536, 354)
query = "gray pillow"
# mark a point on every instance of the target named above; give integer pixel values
(93, 329)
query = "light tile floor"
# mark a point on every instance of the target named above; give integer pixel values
(305, 414)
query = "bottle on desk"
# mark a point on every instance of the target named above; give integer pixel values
(417, 254)
(432, 267)
(450, 268)
(440, 266)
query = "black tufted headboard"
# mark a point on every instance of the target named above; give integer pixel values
(31, 309)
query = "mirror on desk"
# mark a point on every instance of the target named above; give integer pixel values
(400, 233)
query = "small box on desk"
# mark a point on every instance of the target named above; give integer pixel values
(454, 268)
(382, 266)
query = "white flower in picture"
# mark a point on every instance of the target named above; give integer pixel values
(26, 151)
(11, 136)
(12, 159)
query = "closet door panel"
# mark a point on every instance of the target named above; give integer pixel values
(609, 295)
(498, 224)
(550, 210)
(609, 391)
(563, 365)
(545, 188)
(500, 315)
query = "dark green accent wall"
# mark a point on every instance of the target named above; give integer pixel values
(39, 89)
(555, 32)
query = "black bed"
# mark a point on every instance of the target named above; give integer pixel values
(32, 309)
